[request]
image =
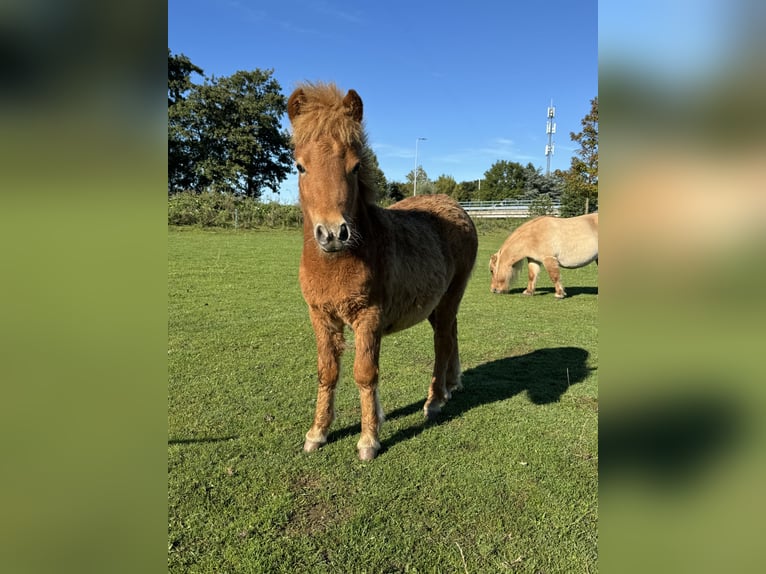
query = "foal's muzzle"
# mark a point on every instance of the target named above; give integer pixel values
(332, 237)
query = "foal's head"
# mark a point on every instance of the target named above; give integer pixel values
(330, 155)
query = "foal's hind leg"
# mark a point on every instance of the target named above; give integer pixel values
(533, 268)
(329, 338)
(446, 373)
(552, 267)
(454, 371)
(443, 347)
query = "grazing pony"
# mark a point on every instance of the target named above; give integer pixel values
(549, 241)
(376, 270)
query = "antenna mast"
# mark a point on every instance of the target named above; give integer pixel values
(550, 129)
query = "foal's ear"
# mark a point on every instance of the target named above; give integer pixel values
(353, 104)
(297, 99)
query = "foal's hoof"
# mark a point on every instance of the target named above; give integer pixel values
(432, 411)
(367, 453)
(311, 446)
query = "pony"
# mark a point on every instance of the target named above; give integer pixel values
(549, 241)
(372, 269)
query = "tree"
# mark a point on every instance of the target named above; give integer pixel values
(468, 191)
(536, 184)
(425, 186)
(180, 69)
(378, 177)
(447, 185)
(237, 122)
(541, 205)
(504, 180)
(181, 151)
(224, 135)
(395, 191)
(581, 181)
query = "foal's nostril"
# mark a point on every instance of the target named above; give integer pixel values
(332, 237)
(320, 232)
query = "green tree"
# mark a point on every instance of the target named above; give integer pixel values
(225, 134)
(425, 186)
(504, 180)
(395, 191)
(180, 69)
(541, 205)
(468, 190)
(378, 176)
(447, 185)
(581, 180)
(182, 151)
(535, 183)
(237, 121)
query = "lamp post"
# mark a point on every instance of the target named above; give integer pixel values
(415, 173)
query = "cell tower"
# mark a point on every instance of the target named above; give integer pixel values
(550, 129)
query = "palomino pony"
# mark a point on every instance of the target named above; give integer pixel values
(551, 241)
(376, 270)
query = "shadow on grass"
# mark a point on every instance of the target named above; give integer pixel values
(670, 439)
(571, 291)
(200, 440)
(544, 374)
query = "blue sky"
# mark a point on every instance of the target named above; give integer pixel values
(475, 79)
(676, 42)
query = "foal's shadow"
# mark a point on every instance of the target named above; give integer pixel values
(544, 374)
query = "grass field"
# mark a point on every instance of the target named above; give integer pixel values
(505, 481)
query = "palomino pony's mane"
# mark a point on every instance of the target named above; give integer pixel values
(324, 116)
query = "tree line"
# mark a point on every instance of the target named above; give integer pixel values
(225, 135)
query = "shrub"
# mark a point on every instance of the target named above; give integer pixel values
(541, 205)
(229, 211)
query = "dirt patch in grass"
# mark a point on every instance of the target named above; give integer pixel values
(317, 507)
(587, 402)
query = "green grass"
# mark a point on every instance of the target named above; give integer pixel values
(505, 481)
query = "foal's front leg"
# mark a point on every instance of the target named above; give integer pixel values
(367, 343)
(329, 338)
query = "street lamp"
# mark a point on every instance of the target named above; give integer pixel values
(415, 174)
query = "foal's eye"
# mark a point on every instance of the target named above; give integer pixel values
(356, 167)
(300, 168)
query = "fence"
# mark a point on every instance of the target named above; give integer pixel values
(506, 208)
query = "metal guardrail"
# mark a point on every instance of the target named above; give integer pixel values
(506, 208)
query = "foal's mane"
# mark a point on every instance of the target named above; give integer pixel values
(323, 115)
